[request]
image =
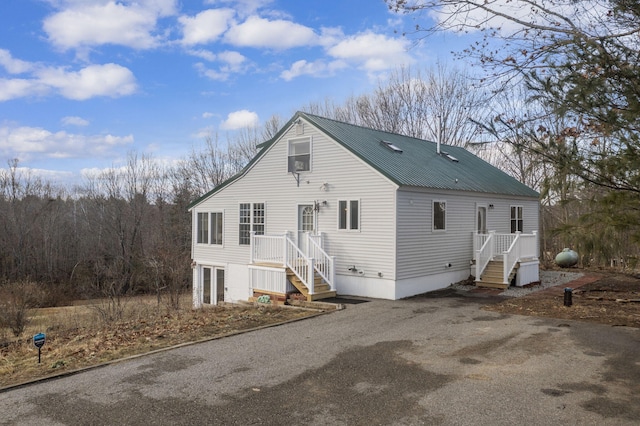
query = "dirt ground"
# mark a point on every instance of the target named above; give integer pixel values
(74, 340)
(612, 299)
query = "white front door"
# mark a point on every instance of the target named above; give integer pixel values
(306, 223)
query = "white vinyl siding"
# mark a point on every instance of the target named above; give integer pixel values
(335, 175)
(423, 251)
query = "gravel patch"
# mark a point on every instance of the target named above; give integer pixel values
(547, 279)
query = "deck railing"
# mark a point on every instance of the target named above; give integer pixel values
(282, 250)
(512, 247)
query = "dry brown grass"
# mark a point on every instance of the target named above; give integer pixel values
(77, 336)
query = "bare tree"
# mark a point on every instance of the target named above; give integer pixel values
(435, 106)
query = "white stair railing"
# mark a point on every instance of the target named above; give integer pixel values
(324, 264)
(510, 258)
(300, 264)
(512, 248)
(484, 254)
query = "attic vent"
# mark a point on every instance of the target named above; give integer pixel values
(391, 146)
(450, 157)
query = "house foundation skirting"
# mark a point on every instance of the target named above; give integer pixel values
(364, 286)
(418, 285)
(381, 288)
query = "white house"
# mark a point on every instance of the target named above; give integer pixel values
(328, 207)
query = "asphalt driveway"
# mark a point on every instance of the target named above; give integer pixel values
(435, 360)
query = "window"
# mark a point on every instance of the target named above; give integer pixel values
(209, 228)
(349, 214)
(439, 215)
(516, 219)
(299, 155)
(203, 228)
(252, 218)
(216, 228)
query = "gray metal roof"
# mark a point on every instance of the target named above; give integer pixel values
(419, 164)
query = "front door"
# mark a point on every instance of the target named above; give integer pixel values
(481, 221)
(306, 223)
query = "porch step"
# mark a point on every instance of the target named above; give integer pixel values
(492, 276)
(322, 290)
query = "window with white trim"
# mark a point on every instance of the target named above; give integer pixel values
(349, 214)
(439, 215)
(517, 221)
(209, 228)
(299, 159)
(216, 228)
(251, 218)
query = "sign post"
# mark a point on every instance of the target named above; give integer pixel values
(38, 342)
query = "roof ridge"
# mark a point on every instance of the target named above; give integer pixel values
(370, 129)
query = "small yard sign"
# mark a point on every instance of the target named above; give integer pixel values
(38, 342)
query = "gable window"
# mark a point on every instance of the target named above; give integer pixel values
(209, 228)
(516, 219)
(299, 155)
(439, 215)
(349, 214)
(251, 218)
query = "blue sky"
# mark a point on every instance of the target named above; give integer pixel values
(83, 82)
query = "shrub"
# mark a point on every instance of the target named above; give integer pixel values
(16, 298)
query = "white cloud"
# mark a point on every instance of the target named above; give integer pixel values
(240, 119)
(315, 69)
(74, 121)
(204, 133)
(233, 59)
(275, 34)
(211, 74)
(127, 23)
(232, 63)
(207, 114)
(27, 142)
(206, 26)
(95, 80)
(12, 65)
(244, 7)
(19, 88)
(207, 55)
(372, 52)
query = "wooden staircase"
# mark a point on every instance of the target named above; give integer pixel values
(322, 290)
(492, 276)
